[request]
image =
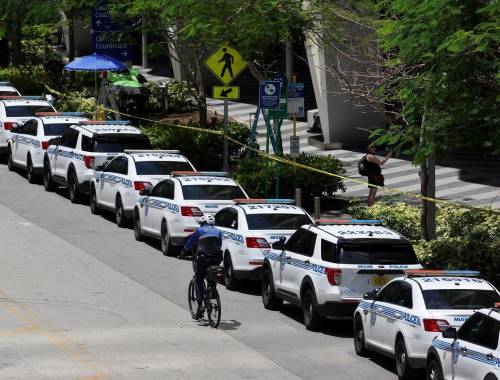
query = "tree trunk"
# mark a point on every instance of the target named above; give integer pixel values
(71, 44)
(15, 39)
(202, 96)
(255, 71)
(424, 179)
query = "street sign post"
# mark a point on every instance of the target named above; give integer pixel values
(294, 146)
(226, 92)
(269, 94)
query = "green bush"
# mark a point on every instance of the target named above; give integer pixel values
(82, 101)
(24, 78)
(204, 150)
(250, 173)
(180, 96)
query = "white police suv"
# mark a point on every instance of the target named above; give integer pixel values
(249, 227)
(168, 211)
(7, 89)
(29, 141)
(70, 159)
(403, 318)
(471, 353)
(327, 267)
(117, 183)
(15, 110)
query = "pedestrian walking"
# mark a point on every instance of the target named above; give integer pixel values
(374, 171)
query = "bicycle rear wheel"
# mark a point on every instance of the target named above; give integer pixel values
(213, 308)
(193, 304)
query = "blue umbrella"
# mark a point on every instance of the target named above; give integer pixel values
(95, 62)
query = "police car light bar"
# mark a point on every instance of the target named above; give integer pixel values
(190, 173)
(33, 97)
(441, 273)
(105, 122)
(5, 83)
(17, 97)
(8, 97)
(151, 151)
(42, 114)
(263, 200)
(349, 221)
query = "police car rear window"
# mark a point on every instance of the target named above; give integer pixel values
(118, 143)
(276, 221)
(383, 254)
(160, 167)
(215, 192)
(24, 111)
(462, 299)
(54, 129)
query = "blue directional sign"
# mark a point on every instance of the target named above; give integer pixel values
(269, 94)
(108, 37)
(295, 95)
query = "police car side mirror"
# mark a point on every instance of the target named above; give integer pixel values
(100, 168)
(145, 191)
(370, 296)
(54, 141)
(450, 333)
(280, 244)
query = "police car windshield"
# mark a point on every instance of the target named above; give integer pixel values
(212, 192)
(276, 221)
(160, 167)
(119, 143)
(383, 254)
(466, 299)
(54, 129)
(25, 110)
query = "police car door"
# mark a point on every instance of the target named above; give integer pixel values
(476, 351)
(104, 186)
(227, 221)
(64, 151)
(295, 260)
(18, 144)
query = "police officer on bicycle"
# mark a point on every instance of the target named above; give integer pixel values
(208, 240)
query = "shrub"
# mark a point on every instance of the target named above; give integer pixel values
(82, 101)
(250, 173)
(24, 78)
(180, 96)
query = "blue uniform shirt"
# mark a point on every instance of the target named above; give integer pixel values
(203, 231)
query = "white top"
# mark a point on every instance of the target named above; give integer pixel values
(452, 282)
(352, 231)
(110, 128)
(152, 156)
(270, 208)
(206, 180)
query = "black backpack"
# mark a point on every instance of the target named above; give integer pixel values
(362, 167)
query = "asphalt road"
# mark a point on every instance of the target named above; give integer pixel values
(80, 298)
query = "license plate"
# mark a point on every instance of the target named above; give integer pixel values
(379, 281)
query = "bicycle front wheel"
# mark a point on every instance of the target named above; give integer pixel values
(213, 308)
(193, 304)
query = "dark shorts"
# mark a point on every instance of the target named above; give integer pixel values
(377, 180)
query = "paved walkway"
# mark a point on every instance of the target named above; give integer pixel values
(473, 183)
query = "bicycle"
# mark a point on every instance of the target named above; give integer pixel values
(211, 299)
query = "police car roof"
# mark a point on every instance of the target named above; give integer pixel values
(25, 102)
(157, 156)
(451, 282)
(359, 231)
(60, 119)
(101, 129)
(205, 180)
(493, 312)
(270, 208)
(8, 88)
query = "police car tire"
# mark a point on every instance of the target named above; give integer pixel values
(359, 340)
(30, 174)
(269, 298)
(230, 280)
(48, 183)
(74, 194)
(10, 162)
(166, 246)
(490, 376)
(434, 371)
(137, 227)
(312, 320)
(94, 207)
(121, 219)
(403, 370)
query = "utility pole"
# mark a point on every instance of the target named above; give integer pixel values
(431, 193)
(288, 60)
(226, 145)
(144, 44)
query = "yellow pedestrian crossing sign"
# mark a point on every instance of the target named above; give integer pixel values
(226, 92)
(226, 63)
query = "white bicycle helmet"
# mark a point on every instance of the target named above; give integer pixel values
(209, 219)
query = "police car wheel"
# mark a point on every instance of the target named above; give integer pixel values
(94, 208)
(74, 193)
(230, 280)
(48, 183)
(166, 246)
(10, 162)
(121, 219)
(403, 368)
(30, 175)
(137, 227)
(312, 320)
(434, 371)
(269, 299)
(359, 337)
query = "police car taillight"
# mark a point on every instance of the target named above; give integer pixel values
(191, 211)
(255, 242)
(435, 325)
(45, 145)
(89, 161)
(334, 275)
(141, 185)
(7, 125)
